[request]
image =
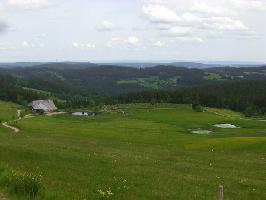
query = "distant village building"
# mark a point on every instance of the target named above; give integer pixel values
(42, 106)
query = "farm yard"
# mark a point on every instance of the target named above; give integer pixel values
(137, 151)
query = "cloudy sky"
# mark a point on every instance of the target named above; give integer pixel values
(124, 30)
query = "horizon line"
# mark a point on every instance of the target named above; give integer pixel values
(141, 61)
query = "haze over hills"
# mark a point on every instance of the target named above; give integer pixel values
(141, 64)
(19, 64)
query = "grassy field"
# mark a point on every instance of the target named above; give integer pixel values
(153, 82)
(46, 94)
(8, 111)
(212, 76)
(144, 152)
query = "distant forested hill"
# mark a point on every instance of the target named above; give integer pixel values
(85, 79)
(76, 85)
(247, 96)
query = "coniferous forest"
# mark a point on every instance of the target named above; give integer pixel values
(74, 86)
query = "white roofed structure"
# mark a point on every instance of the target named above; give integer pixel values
(43, 106)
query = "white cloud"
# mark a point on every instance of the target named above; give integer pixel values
(156, 1)
(189, 17)
(28, 4)
(41, 36)
(83, 45)
(157, 24)
(254, 5)
(181, 31)
(191, 39)
(19, 46)
(197, 20)
(210, 23)
(184, 34)
(132, 40)
(225, 24)
(6, 47)
(159, 14)
(158, 44)
(208, 9)
(106, 26)
(27, 44)
(113, 42)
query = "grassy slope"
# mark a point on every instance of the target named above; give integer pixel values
(44, 93)
(153, 82)
(148, 154)
(8, 110)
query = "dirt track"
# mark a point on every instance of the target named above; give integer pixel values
(2, 197)
(5, 124)
(16, 130)
(55, 113)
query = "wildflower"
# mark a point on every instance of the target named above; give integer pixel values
(109, 192)
(243, 180)
(101, 192)
(105, 194)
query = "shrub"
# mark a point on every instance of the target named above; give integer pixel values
(23, 113)
(197, 107)
(153, 101)
(251, 111)
(24, 183)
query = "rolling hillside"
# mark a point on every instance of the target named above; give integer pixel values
(114, 80)
(144, 152)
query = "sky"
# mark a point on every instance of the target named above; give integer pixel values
(132, 30)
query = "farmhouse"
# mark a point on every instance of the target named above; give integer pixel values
(42, 106)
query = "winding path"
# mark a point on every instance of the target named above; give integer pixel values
(15, 129)
(5, 124)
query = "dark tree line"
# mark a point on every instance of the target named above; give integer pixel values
(248, 97)
(11, 91)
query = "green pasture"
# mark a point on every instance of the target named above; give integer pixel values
(212, 76)
(145, 152)
(8, 111)
(153, 82)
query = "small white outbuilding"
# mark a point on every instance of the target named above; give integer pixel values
(83, 114)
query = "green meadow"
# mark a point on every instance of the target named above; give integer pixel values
(8, 111)
(138, 151)
(153, 82)
(212, 76)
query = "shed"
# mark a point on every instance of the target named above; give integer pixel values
(83, 113)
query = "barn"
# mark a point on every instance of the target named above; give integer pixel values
(42, 106)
